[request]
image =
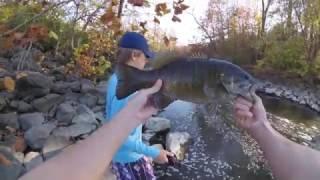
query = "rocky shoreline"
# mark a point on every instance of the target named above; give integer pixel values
(303, 95)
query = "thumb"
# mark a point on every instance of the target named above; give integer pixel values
(256, 98)
(155, 88)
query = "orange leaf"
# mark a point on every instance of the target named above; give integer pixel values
(166, 40)
(107, 17)
(136, 2)
(156, 20)
(184, 7)
(175, 19)
(9, 84)
(162, 9)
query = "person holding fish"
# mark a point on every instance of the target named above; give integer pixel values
(132, 159)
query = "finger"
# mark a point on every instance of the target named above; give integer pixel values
(243, 107)
(256, 98)
(246, 114)
(170, 154)
(243, 101)
(155, 88)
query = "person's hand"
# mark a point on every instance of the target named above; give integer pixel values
(139, 108)
(162, 157)
(249, 116)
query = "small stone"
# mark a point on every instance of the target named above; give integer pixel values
(29, 120)
(88, 100)
(10, 120)
(86, 86)
(98, 109)
(70, 96)
(37, 135)
(65, 113)
(32, 160)
(84, 115)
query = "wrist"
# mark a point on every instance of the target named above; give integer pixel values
(260, 129)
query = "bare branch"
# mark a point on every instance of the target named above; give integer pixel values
(34, 17)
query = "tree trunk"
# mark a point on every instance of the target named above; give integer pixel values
(120, 8)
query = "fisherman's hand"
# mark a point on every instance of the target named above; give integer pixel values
(250, 116)
(139, 107)
(162, 157)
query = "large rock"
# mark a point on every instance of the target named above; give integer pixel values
(37, 135)
(34, 84)
(70, 96)
(84, 115)
(10, 167)
(21, 106)
(44, 104)
(32, 160)
(88, 100)
(87, 86)
(157, 124)
(53, 145)
(10, 120)
(65, 113)
(74, 130)
(3, 103)
(176, 142)
(64, 87)
(29, 120)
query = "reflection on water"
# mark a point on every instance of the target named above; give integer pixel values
(289, 110)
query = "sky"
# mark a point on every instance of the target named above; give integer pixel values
(187, 31)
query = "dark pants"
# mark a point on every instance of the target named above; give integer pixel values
(139, 170)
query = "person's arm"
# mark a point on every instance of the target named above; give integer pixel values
(288, 160)
(90, 158)
(114, 105)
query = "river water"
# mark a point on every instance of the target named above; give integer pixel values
(213, 155)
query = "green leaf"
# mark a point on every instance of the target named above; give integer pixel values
(53, 35)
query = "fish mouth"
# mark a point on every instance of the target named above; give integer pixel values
(249, 93)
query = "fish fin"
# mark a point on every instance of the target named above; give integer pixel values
(160, 101)
(129, 80)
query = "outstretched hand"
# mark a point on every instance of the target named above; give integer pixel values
(140, 107)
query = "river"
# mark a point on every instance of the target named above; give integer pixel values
(212, 155)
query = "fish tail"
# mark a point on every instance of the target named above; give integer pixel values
(130, 80)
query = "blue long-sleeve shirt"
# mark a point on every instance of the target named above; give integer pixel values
(133, 148)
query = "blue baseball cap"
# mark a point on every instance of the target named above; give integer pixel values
(135, 40)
